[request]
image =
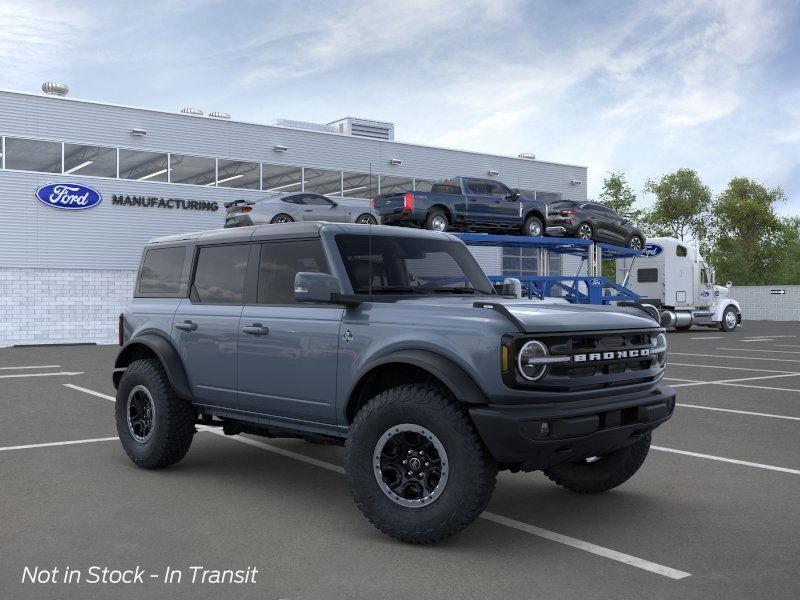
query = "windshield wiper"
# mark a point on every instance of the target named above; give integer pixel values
(390, 289)
(457, 290)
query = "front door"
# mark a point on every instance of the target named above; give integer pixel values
(320, 208)
(288, 352)
(480, 203)
(207, 323)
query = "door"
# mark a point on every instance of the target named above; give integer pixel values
(207, 323)
(287, 351)
(319, 208)
(506, 204)
(706, 288)
(604, 223)
(480, 203)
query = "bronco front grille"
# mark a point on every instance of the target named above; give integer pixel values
(604, 360)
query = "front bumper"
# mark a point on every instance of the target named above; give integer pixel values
(536, 437)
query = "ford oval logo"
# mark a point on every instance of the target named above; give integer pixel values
(595, 282)
(652, 250)
(705, 294)
(68, 196)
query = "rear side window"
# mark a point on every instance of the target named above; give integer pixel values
(647, 275)
(446, 187)
(220, 273)
(161, 271)
(280, 262)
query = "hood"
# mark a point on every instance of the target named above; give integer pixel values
(541, 316)
(721, 291)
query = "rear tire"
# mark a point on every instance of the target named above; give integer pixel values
(282, 218)
(635, 243)
(604, 473)
(154, 425)
(584, 232)
(437, 220)
(391, 426)
(533, 227)
(367, 219)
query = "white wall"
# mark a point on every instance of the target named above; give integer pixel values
(759, 304)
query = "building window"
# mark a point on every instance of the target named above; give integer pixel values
(280, 178)
(33, 155)
(237, 174)
(359, 185)
(396, 185)
(97, 161)
(194, 170)
(321, 181)
(143, 166)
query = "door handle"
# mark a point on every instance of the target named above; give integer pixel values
(308, 209)
(256, 329)
(186, 326)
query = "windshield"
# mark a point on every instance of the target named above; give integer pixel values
(385, 264)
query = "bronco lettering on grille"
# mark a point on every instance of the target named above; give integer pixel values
(617, 354)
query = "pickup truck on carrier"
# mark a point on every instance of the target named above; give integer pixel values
(464, 203)
(393, 343)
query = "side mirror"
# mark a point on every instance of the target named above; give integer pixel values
(315, 287)
(729, 285)
(512, 287)
(334, 204)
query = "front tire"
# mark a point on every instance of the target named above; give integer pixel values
(447, 479)
(584, 231)
(606, 472)
(154, 425)
(730, 320)
(635, 243)
(533, 227)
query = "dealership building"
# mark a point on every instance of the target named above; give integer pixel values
(65, 275)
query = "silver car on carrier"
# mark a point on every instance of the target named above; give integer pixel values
(288, 207)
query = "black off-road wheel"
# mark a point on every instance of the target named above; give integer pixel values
(154, 425)
(601, 473)
(416, 466)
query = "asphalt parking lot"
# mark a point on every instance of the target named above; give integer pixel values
(714, 512)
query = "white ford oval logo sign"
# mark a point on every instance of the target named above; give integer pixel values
(595, 282)
(652, 250)
(68, 196)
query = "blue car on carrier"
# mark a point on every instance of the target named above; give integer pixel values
(465, 204)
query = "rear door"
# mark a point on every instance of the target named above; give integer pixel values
(287, 351)
(207, 323)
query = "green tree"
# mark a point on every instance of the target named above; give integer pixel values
(749, 243)
(681, 206)
(618, 195)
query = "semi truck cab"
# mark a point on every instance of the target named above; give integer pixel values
(672, 276)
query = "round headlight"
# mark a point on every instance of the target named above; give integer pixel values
(660, 342)
(527, 363)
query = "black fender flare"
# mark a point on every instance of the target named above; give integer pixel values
(458, 381)
(165, 352)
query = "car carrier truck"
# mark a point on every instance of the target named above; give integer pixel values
(672, 276)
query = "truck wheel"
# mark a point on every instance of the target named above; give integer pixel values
(416, 466)
(533, 227)
(729, 320)
(154, 425)
(437, 220)
(601, 473)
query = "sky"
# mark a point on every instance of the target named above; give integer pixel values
(639, 87)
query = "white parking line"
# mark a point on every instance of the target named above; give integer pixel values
(17, 375)
(787, 346)
(87, 391)
(699, 366)
(692, 382)
(673, 364)
(736, 357)
(708, 337)
(759, 350)
(739, 412)
(31, 367)
(49, 444)
(727, 460)
(518, 525)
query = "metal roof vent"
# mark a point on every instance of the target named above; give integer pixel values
(376, 130)
(192, 111)
(51, 88)
(219, 115)
(527, 155)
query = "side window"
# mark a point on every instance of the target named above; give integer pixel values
(280, 262)
(219, 274)
(647, 275)
(446, 187)
(476, 186)
(681, 251)
(161, 271)
(495, 188)
(704, 276)
(294, 199)
(316, 200)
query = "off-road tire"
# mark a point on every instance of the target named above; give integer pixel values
(723, 325)
(173, 423)
(607, 472)
(472, 471)
(282, 218)
(530, 223)
(432, 215)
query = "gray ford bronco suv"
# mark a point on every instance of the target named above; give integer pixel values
(393, 343)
